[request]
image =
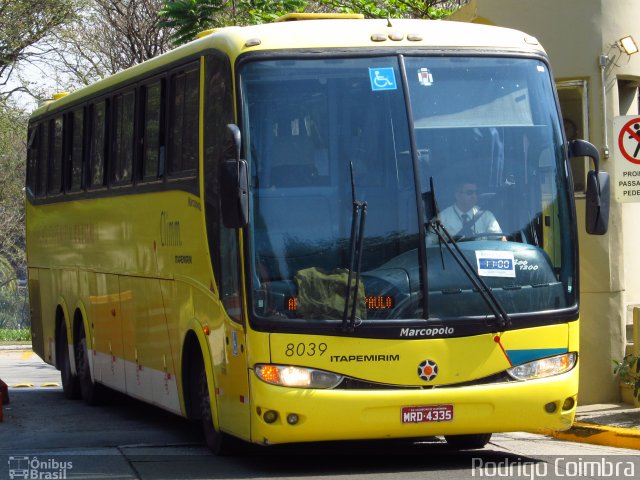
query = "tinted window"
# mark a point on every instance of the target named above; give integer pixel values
(98, 141)
(55, 172)
(43, 160)
(183, 121)
(32, 157)
(75, 169)
(123, 120)
(153, 156)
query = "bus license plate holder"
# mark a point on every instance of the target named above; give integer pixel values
(427, 413)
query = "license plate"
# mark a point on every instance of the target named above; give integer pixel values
(427, 413)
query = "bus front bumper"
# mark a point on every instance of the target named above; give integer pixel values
(306, 415)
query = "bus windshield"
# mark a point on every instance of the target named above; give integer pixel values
(474, 142)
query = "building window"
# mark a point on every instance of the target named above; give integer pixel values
(574, 105)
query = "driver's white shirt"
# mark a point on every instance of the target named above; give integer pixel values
(451, 218)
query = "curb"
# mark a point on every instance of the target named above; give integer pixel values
(15, 347)
(600, 435)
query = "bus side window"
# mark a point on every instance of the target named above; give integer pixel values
(123, 130)
(33, 151)
(97, 144)
(76, 165)
(43, 160)
(153, 131)
(54, 184)
(183, 121)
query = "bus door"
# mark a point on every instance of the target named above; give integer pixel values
(232, 388)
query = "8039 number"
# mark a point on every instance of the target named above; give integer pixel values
(305, 349)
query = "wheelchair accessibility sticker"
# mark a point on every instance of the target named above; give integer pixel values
(383, 78)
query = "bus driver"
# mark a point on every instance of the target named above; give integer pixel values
(465, 218)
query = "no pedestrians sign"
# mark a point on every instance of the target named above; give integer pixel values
(627, 158)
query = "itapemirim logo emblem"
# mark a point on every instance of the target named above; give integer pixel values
(428, 370)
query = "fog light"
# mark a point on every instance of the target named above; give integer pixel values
(270, 416)
(550, 407)
(292, 418)
(568, 404)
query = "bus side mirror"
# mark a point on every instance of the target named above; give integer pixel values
(598, 189)
(234, 186)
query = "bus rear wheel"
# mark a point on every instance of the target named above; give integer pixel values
(89, 390)
(468, 442)
(70, 382)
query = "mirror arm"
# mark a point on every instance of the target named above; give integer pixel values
(237, 138)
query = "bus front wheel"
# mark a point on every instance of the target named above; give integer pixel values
(468, 442)
(218, 442)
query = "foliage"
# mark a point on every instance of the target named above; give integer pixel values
(105, 37)
(263, 11)
(15, 335)
(13, 311)
(12, 173)
(432, 9)
(189, 17)
(628, 371)
(23, 23)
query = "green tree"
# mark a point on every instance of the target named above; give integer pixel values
(23, 23)
(12, 238)
(189, 17)
(431, 9)
(12, 172)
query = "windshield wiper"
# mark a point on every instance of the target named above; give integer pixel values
(444, 237)
(358, 217)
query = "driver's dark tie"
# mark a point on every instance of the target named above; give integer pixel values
(466, 225)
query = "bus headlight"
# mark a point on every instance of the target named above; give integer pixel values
(290, 376)
(544, 367)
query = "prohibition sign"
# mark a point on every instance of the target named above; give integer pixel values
(629, 140)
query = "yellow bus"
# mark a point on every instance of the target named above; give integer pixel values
(257, 231)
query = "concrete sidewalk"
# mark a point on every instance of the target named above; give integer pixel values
(613, 425)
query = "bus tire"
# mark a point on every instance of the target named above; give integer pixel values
(70, 382)
(218, 442)
(468, 442)
(90, 391)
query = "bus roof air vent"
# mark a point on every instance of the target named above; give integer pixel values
(59, 95)
(290, 17)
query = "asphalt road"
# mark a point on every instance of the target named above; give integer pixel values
(46, 436)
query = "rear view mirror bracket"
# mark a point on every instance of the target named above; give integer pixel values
(234, 185)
